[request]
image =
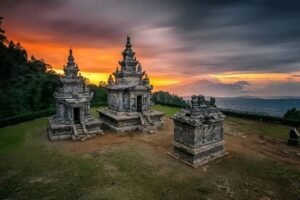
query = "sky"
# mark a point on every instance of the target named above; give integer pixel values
(215, 48)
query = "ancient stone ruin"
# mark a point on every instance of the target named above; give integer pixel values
(198, 133)
(293, 139)
(73, 119)
(129, 97)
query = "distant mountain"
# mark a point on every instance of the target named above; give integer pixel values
(260, 97)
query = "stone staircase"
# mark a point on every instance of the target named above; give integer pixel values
(79, 129)
(80, 134)
(147, 124)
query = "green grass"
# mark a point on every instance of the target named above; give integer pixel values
(94, 111)
(267, 129)
(30, 170)
(263, 128)
(33, 168)
(169, 111)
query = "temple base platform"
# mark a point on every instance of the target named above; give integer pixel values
(63, 130)
(146, 122)
(199, 156)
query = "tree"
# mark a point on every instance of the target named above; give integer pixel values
(25, 85)
(167, 98)
(2, 33)
(293, 114)
(100, 94)
(102, 84)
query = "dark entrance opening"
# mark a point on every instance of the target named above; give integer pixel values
(139, 103)
(76, 115)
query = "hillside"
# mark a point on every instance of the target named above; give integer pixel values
(137, 166)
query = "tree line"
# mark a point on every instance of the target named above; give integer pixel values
(27, 84)
(162, 97)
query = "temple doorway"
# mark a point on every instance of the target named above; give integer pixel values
(139, 103)
(76, 115)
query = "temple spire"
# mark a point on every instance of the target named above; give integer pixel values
(71, 68)
(110, 80)
(128, 43)
(70, 57)
(146, 80)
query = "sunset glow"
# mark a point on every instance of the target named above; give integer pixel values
(258, 77)
(175, 51)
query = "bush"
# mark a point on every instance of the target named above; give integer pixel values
(165, 98)
(292, 114)
(25, 117)
(266, 118)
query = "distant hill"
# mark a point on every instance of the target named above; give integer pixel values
(270, 106)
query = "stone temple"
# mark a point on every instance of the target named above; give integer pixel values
(129, 95)
(73, 119)
(198, 133)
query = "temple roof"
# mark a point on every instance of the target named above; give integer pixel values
(129, 62)
(71, 69)
(129, 86)
(130, 72)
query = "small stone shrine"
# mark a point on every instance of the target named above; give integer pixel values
(198, 133)
(293, 137)
(129, 95)
(73, 119)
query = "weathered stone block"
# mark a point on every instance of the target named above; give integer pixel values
(198, 133)
(293, 137)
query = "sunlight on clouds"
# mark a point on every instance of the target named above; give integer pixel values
(94, 78)
(252, 77)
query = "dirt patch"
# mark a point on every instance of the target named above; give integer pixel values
(256, 145)
(237, 140)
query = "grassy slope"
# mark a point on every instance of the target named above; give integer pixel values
(169, 111)
(268, 129)
(31, 170)
(263, 128)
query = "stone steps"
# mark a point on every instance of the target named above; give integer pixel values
(146, 121)
(79, 129)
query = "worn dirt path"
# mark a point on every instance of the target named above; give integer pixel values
(247, 143)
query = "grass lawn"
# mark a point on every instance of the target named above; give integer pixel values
(263, 128)
(169, 111)
(267, 129)
(33, 168)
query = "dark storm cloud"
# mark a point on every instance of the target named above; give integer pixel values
(58, 22)
(206, 36)
(248, 31)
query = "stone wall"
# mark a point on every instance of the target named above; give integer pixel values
(197, 136)
(127, 101)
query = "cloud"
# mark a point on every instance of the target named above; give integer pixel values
(277, 89)
(171, 37)
(211, 88)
